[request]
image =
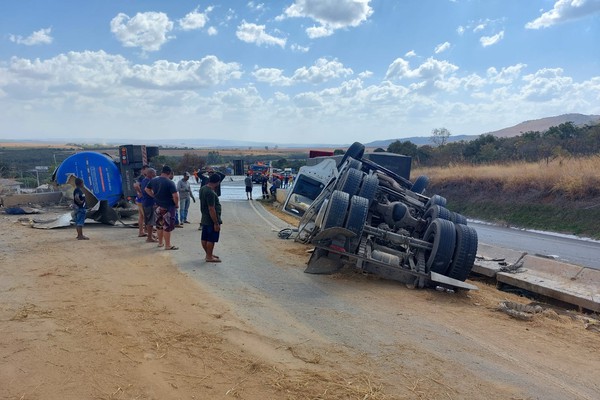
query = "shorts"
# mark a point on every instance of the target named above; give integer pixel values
(248, 189)
(165, 218)
(209, 234)
(149, 216)
(80, 216)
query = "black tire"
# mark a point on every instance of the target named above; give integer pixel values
(356, 151)
(458, 218)
(337, 208)
(357, 216)
(436, 199)
(368, 189)
(352, 163)
(464, 253)
(442, 235)
(436, 211)
(350, 182)
(420, 184)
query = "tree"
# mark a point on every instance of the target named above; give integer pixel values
(439, 136)
(338, 152)
(189, 162)
(407, 148)
(379, 150)
(281, 163)
(213, 157)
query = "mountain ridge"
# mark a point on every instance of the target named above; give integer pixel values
(541, 124)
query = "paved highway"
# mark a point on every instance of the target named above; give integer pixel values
(571, 250)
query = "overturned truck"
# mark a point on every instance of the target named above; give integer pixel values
(362, 213)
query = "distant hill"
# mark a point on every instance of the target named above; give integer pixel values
(543, 124)
(418, 140)
(540, 125)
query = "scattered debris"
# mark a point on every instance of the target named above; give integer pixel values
(515, 267)
(520, 311)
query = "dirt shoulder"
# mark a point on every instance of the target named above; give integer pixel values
(114, 318)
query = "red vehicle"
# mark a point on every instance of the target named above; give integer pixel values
(257, 171)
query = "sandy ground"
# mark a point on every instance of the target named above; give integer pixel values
(112, 318)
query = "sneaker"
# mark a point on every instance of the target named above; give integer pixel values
(179, 226)
(186, 222)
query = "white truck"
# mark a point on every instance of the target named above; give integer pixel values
(356, 211)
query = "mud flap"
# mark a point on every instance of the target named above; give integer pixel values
(322, 262)
(439, 278)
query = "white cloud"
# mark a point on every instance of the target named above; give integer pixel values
(299, 49)
(253, 33)
(256, 6)
(430, 69)
(38, 37)
(491, 40)
(546, 84)
(410, 54)
(240, 98)
(100, 74)
(365, 74)
(315, 32)
(563, 11)
(272, 76)
(442, 47)
(329, 14)
(184, 75)
(507, 75)
(212, 31)
(460, 30)
(322, 71)
(478, 28)
(145, 30)
(195, 20)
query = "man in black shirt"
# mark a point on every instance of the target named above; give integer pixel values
(166, 198)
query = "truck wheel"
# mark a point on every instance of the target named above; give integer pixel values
(337, 208)
(354, 164)
(436, 211)
(356, 151)
(420, 184)
(350, 182)
(357, 216)
(458, 218)
(368, 189)
(436, 199)
(464, 253)
(442, 235)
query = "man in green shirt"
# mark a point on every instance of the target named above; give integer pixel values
(210, 207)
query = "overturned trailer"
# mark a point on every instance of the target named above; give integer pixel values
(359, 212)
(109, 183)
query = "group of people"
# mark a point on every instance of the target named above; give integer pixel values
(264, 183)
(163, 205)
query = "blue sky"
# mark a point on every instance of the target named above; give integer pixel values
(293, 71)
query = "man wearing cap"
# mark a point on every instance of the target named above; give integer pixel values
(185, 192)
(210, 207)
(165, 195)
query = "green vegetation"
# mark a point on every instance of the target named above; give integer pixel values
(565, 140)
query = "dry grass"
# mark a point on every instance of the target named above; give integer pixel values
(574, 178)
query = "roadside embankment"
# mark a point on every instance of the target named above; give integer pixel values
(523, 208)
